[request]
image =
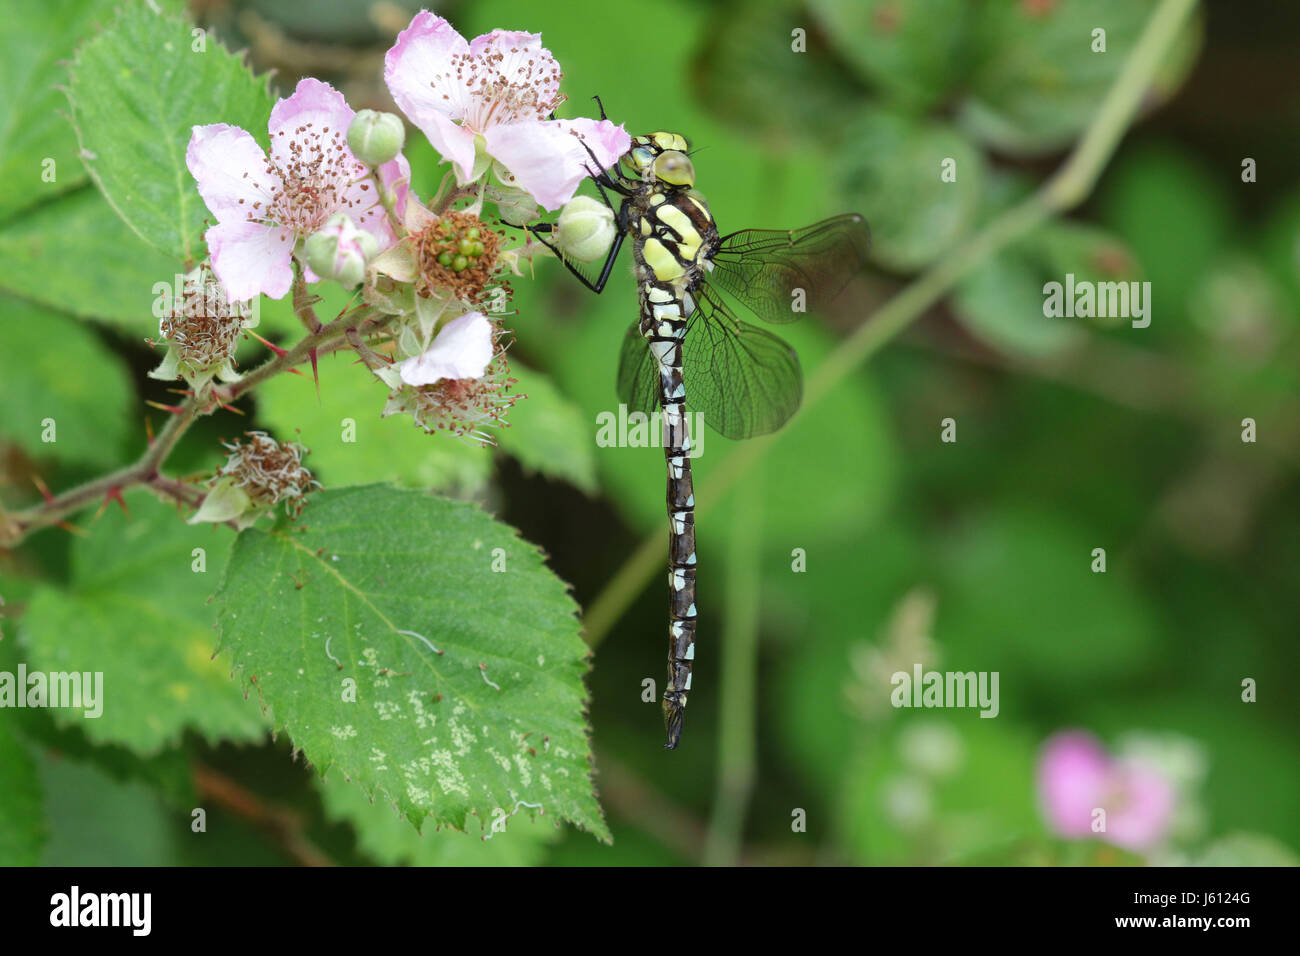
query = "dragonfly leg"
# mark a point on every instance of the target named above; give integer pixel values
(606, 269)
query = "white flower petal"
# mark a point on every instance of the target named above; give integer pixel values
(462, 349)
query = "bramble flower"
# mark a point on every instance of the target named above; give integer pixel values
(258, 475)
(489, 99)
(461, 350)
(202, 330)
(265, 205)
(1076, 777)
(458, 385)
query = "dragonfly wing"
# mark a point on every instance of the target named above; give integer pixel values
(764, 268)
(638, 378)
(744, 380)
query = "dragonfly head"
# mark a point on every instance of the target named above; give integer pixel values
(661, 157)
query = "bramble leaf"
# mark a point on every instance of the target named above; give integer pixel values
(38, 151)
(22, 817)
(60, 383)
(420, 648)
(77, 256)
(137, 610)
(384, 834)
(135, 91)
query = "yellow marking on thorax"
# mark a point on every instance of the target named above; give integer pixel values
(658, 258)
(675, 219)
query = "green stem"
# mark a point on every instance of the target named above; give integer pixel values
(738, 672)
(389, 202)
(1065, 190)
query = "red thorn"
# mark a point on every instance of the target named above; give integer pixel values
(294, 371)
(72, 528)
(274, 348)
(315, 373)
(115, 494)
(232, 408)
(45, 491)
(174, 409)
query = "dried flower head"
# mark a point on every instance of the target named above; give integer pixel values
(202, 329)
(269, 471)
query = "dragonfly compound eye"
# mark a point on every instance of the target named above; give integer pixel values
(674, 168)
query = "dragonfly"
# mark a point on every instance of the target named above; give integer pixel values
(689, 351)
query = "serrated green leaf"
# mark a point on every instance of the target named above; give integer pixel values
(548, 433)
(386, 835)
(135, 91)
(137, 611)
(76, 255)
(22, 816)
(38, 149)
(53, 368)
(892, 168)
(370, 448)
(338, 604)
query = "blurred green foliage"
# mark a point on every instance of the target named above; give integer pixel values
(975, 555)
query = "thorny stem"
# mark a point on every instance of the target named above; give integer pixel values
(303, 301)
(146, 471)
(14, 528)
(1065, 190)
(301, 352)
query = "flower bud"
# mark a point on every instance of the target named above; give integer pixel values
(340, 250)
(585, 229)
(375, 138)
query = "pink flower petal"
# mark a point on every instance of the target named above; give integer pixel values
(251, 259)
(547, 156)
(1145, 811)
(231, 170)
(314, 110)
(463, 349)
(521, 58)
(364, 208)
(429, 88)
(1072, 774)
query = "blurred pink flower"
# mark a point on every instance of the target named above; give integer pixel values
(500, 88)
(1076, 776)
(264, 205)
